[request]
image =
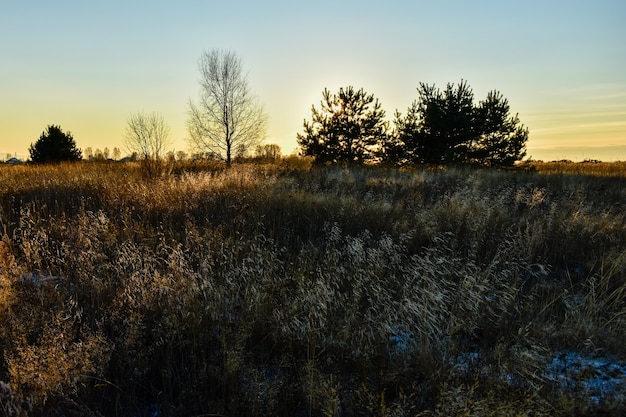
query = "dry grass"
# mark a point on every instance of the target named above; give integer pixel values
(280, 289)
(594, 168)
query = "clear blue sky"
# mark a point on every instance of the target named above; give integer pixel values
(87, 66)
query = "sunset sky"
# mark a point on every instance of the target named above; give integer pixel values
(86, 66)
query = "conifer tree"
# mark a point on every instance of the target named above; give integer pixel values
(349, 128)
(445, 127)
(54, 145)
(502, 139)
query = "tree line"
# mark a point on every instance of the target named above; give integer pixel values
(441, 127)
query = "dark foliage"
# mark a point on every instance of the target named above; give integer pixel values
(502, 139)
(349, 128)
(445, 127)
(54, 145)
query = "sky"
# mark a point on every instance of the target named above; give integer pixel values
(87, 66)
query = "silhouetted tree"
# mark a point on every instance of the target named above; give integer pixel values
(502, 139)
(349, 128)
(447, 123)
(98, 155)
(227, 120)
(147, 135)
(268, 151)
(54, 146)
(445, 127)
(403, 146)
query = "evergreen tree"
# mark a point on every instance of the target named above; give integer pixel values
(54, 146)
(447, 123)
(502, 139)
(445, 127)
(404, 144)
(349, 128)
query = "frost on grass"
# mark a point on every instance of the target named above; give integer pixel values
(599, 379)
(400, 340)
(264, 291)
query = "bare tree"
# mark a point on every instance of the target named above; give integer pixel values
(228, 118)
(147, 136)
(268, 151)
(181, 155)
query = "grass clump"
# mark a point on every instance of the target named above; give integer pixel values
(283, 289)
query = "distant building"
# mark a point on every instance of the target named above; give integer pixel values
(14, 161)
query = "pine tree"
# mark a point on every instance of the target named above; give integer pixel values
(54, 146)
(445, 127)
(349, 128)
(502, 139)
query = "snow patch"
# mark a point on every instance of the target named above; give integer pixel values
(598, 378)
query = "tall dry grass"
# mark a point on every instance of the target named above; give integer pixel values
(281, 289)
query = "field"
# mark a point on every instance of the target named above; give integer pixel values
(286, 290)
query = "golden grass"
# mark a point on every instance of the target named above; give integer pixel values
(282, 289)
(605, 169)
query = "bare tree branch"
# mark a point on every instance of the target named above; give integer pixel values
(227, 118)
(147, 136)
